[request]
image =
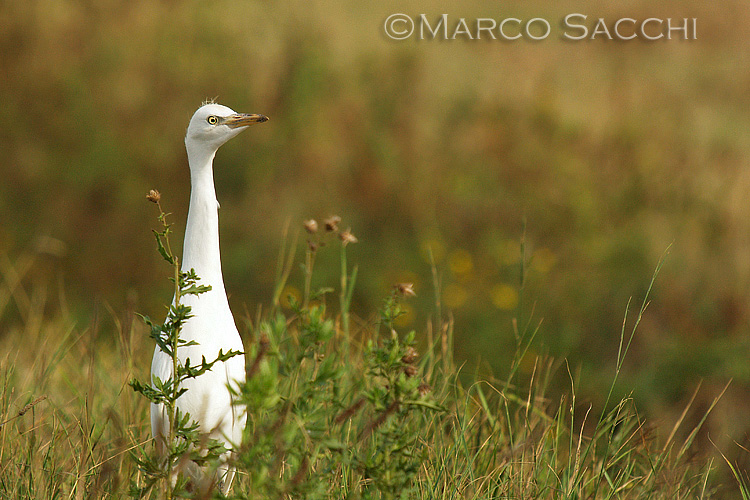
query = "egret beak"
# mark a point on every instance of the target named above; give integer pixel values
(243, 120)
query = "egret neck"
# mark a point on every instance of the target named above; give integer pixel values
(201, 247)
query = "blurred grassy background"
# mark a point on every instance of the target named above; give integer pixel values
(596, 154)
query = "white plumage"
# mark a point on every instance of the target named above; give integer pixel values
(212, 326)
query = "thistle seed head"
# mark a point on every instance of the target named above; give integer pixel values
(332, 223)
(153, 196)
(347, 237)
(410, 356)
(311, 226)
(405, 289)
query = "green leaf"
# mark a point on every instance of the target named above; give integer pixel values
(160, 246)
(196, 289)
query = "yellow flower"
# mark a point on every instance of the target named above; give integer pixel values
(454, 295)
(504, 297)
(543, 260)
(461, 263)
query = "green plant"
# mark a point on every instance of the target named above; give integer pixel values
(183, 444)
(327, 415)
(376, 414)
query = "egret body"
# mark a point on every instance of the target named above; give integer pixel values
(212, 326)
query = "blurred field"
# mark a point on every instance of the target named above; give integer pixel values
(593, 157)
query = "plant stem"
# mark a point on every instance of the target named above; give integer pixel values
(344, 294)
(172, 403)
(309, 262)
(172, 408)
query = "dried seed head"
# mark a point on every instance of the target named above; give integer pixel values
(153, 196)
(29, 406)
(264, 341)
(423, 389)
(346, 414)
(347, 237)
(311, 226)
(405, 289)
(410, 356)
(312, 246)
(332, 223)
(263, 344)
(410, 370)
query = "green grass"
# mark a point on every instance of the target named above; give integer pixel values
(601, 154)
(337, 414)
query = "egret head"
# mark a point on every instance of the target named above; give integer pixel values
(213, 125)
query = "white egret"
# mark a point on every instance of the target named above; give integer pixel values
(208, 399)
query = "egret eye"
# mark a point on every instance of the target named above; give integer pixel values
(212, 120)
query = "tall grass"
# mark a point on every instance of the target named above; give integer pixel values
(610, 150)
(67, 418)
(337, 411)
